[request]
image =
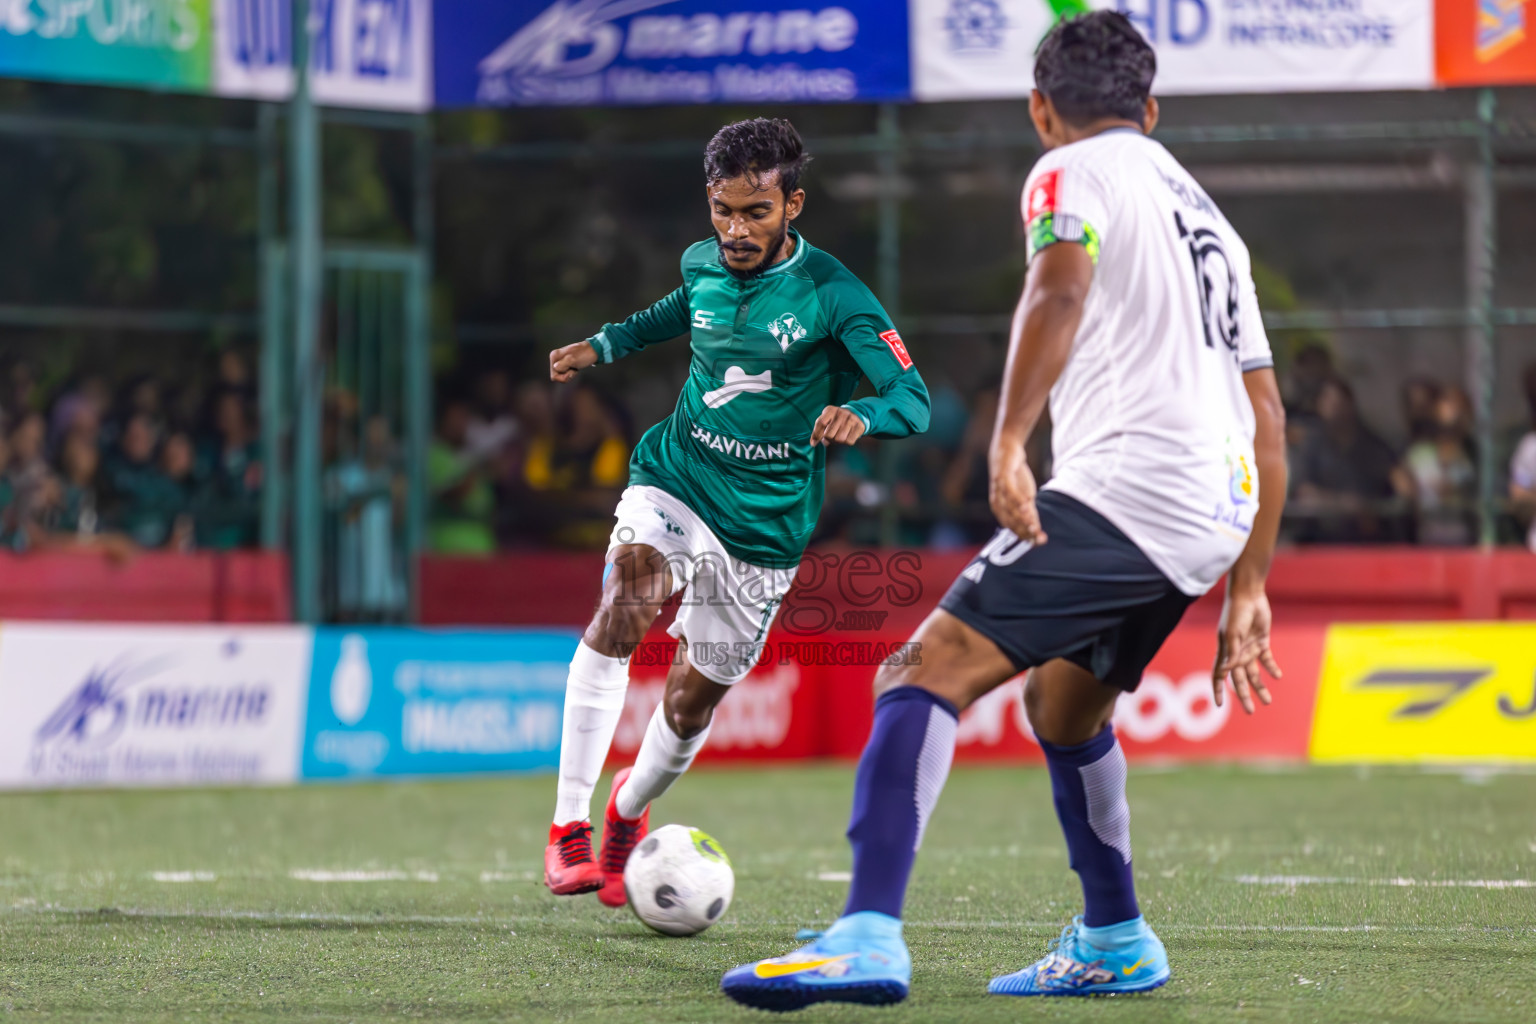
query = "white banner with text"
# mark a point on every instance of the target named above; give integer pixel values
(980, 49)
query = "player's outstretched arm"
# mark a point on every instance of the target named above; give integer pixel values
(664, 320)
(1041, 340)
(1242, 638)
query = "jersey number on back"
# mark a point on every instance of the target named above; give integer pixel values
(1215, 283)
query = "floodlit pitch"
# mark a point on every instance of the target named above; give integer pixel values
(1331, 895)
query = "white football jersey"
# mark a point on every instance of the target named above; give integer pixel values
(1151, 424)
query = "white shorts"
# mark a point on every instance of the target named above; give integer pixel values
(729, 604)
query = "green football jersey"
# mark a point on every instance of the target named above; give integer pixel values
(769, 354)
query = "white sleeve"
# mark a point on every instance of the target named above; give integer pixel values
(1064, 202)
(1253, 352)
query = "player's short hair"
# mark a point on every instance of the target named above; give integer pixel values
(1096, 66)
(756, 148)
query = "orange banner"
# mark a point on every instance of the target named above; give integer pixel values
(1485, 42)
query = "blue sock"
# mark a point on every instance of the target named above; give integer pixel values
(901, 774)
(1088, 782)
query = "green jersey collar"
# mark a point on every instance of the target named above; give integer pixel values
(795, 258)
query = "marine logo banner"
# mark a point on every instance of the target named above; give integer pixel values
(656, 52)
(88, 705)
(1427, 692)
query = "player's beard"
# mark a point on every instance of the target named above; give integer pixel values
(769, 255)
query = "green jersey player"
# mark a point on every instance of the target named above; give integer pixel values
(724, 493)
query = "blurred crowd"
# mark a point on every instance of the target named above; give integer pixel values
(523, 463)
(543, 466)
(134, 467)
(530, 465)
(1348, 485)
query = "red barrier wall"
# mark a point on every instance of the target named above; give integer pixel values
(802, 703)
(788, 709)
(234, 586)
(1312, 585)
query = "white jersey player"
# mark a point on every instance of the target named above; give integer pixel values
(1140, 328)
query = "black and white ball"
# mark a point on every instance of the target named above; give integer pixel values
(679, 880)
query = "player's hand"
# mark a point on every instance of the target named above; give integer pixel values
(1011, 491)
(1242, 647)
(565, 362)
(837, 424)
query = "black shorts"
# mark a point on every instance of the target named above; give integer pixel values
(1088, 595)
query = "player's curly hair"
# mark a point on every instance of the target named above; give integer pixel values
(755, 148)
(1096, 66)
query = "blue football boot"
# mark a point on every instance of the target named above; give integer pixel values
(1074, 967)
(860, 959)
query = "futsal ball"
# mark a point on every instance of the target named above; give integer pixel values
(679, 880)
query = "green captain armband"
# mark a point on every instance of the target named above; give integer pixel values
(1050, 227)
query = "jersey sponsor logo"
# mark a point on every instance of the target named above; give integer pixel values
(746, 451)
(787, 330)
(898, 348)
(1240, 483)
(671, 524)
(738, 382)
(704, 319)
(1042, 195)
(973, 571)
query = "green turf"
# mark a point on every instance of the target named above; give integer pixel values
(469, 934)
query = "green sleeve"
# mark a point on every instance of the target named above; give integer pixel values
(900, 407)
(662, 322)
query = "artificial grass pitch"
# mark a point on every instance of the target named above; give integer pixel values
(1328, 895)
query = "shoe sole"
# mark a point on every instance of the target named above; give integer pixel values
(573, 889)
(786, 999)
(1111, 989)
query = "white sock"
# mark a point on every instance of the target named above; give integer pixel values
(594, 701)
(663, 758)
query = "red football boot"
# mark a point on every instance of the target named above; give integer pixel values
(568, 865)
(620, 837)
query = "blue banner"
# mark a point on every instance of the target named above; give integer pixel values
(654, 52)
(420, 702)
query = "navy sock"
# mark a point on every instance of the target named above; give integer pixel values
(1088, 782)
(901, 774)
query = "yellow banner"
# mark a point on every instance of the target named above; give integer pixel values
(1427, 692)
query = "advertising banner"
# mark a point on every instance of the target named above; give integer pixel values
(417, 702)
(657, 52)
(1171, 716)
(813, 698)
(1427, 692)
(977, 49)
(365, 53)
(1484, 42)
(774, 713)
(84, 705)
(162, 44)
